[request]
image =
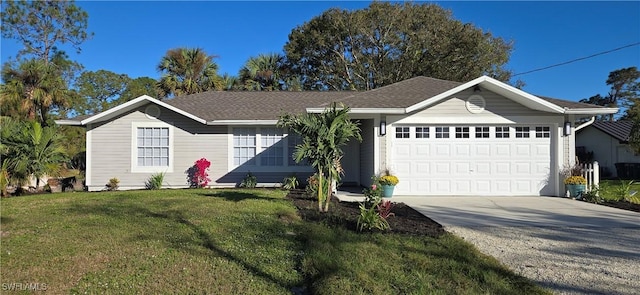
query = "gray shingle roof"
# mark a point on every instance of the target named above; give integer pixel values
(619, 130)
(252, 105)
(402, 94)
(261, 105)
(570, 104)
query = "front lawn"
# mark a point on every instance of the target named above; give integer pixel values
(223, 242)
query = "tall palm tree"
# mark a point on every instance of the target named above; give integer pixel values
(262, 72)
(32, 89)
(188, 71)
(31, 149)
(323, 136)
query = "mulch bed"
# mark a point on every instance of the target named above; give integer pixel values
(406, 220)
(623, 205)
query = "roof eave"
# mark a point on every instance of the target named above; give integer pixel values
(591, 111)
(242, 122)
(68, 122)
(364, 110)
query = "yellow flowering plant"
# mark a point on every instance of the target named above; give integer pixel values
(389, 180)
(575, 180)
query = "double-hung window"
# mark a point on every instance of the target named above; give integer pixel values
(244, 146)
(272, 147)
(264, 148)
(151, 147)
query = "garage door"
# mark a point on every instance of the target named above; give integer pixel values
(471, 160)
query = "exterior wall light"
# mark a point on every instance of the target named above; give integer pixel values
(567, 128)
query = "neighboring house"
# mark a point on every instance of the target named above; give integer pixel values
(439, 137)
(607, 143)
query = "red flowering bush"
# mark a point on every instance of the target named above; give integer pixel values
(199, 173)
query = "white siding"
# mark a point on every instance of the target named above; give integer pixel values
(606, 150)
(498, 110)
(111, 144)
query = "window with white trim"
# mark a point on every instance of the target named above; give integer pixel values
(462, 132)
(152, 146)
(543, 132)
(422, 132)
(482, 132)
(522, 132)
(502, 132)
(272, 147)
(442, 132)
(402, 132)
(244, 146)
(264, 148)
(292, 141)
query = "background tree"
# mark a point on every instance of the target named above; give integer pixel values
(386, 43)
(99, 91)
(262, 72)
(42, 25)
(138, 87)
(231, 83)
(323, 136)
(624, 93)
(188, 71)
(32, 89)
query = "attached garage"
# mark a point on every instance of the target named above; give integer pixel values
(480, 138)
(472, 159)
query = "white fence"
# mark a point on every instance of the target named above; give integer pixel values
(591, 171)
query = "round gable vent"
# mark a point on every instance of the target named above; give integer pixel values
(152, 112)
(475, 104)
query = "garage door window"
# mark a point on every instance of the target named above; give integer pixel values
(502, 132)
(482, 132)
(522, 132)
(442, 132)
(462, 132)
(422, 132)
(543, 132)
(402, 132)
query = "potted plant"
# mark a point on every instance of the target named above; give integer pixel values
(388, 183)
(576, 185)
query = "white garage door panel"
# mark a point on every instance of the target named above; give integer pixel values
(471, 166)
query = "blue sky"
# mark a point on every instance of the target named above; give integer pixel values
(132, 37)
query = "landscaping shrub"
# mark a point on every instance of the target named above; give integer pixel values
(250, 181)
(155, 181)
(199, 173)
(113, 184)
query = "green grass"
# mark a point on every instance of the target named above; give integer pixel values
(224, 241)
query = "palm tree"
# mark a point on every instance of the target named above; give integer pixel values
(188, 71)
(323, 136)
(31, 149)
(262, 72)
(32, 89)
(230, 82)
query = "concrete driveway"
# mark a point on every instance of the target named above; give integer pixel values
(568, 246)
(520, 211)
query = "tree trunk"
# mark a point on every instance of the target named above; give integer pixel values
(328, 198)
(320, 189)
